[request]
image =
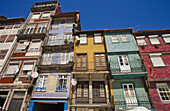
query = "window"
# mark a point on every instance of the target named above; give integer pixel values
(69, 23)
(100, 62)
(22, 46)
(3, 96)
(2, 27)
(3, 53)
(30, 29)
(9, 26)
(141, 40)
(13, 68)
(17, 25)
(46, 15)
(41, 28)
(10, 38)
(42, 83)
(157, 60)
(52, 40)
(27, 67)
(62, 83)
(68, 37)
(130, 96)
(166, 38)
(65, 58)
(114, 38)
(163, 91)
(97, 38)
(83, 39)
(81, 62)
(124, 63)
(35, 45)
(124, 38)
(16, 101)
(154, 39)
(36, 16)
(99, 95)
(47, 58)
(82, 93)
(2, 38)
(55, 25)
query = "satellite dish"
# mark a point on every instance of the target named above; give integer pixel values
(29, 73)
(26, 43)
(77, 38)
(74, 82)
(34, 75)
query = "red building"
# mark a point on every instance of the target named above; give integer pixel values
(154, 46)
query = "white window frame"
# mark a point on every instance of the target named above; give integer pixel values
(155, 58)
(124, 38)
(98, 38)
(125, 65)
(47, 59)
(41, 87)
(69, 37)
(154, 39)
(83, 38)
(166, 38)
(35, 45)
(64, 58)
(35, 16)
(131, 101)
(46, 15)
(165, 91)
(141, 40)
(52, 40)
(114, 38)
(20, 45)
(27, 64)
(16, 69)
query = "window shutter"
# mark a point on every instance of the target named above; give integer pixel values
(28, 67)
(36, 16)
(11, 69)
(84, 61)
(156, 60)
(78, 61)
(141, 42)
(114, 38)
(97, 60)
(21, 47)
(154, 39)
(103, 60)
(166, 38)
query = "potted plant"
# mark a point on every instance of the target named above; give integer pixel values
(65, 41)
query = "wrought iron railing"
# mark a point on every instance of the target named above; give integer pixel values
(38, 30)
(57, 42)
(61, 89)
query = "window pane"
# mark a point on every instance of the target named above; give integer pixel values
(2, 38)
(2, 54)
(10, 38)
(157, 61)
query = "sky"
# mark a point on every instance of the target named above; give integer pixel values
(104, 14)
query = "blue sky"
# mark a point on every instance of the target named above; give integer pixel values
(104, 14)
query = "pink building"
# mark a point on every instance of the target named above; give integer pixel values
(154, 46)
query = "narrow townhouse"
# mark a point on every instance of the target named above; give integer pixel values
(52, 89)
(154, 46)
(8, 39)
(20, 73)
(90, 91)
(128, 73)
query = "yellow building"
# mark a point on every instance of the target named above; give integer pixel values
(91, 93)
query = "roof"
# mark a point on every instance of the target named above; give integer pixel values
(12, 20)
(2, 17)
(38, 3)
(67, 14)
(149, 32)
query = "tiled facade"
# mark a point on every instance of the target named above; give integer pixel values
(155, 53)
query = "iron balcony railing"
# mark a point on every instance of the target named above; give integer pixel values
(38, 30)
(122, 105)
(57, 42)
(43, 7)
(132, 68)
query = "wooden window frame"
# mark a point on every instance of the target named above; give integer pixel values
(82, 99)
(81, 68)
(100, 62)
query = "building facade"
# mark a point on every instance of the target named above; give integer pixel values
(127, 70)
(154, 48)
(91, 93)
(8, 72)
(52, 89)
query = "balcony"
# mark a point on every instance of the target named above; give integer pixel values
(65, 46)
(53, 67)
(32, 33)
(122, 105)
(39, 8)
(137, 68)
